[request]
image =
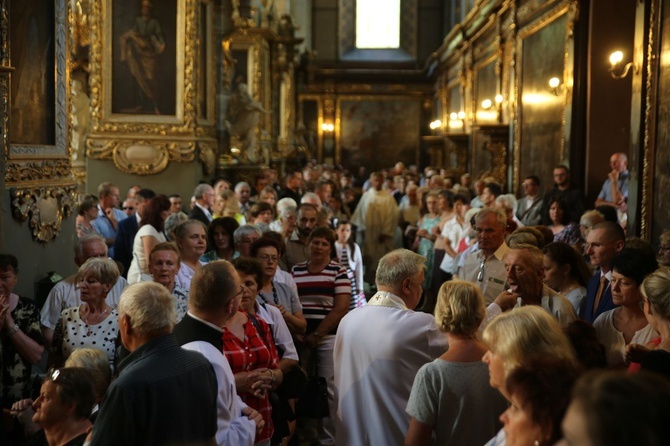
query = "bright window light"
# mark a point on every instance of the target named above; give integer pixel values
(377, 24)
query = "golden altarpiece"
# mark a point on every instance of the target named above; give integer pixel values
(88, 95)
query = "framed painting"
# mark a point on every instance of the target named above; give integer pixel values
(206, 63)
(367, 126)
(38, 41)
(143, 57)
(539, 138)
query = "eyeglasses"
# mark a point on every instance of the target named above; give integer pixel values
(128, 208)
(266, 258)
(480, 275)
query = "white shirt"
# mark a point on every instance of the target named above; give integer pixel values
(280, 332)
(613, 340)
(378, 350)
(65, 294)
(453, 231)
(355, 260)
(233, 428)
(139, 266)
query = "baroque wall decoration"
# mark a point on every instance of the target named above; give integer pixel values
(44, 208)
(144, 110)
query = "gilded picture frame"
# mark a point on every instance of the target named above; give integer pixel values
(540, 121)
(144, 140)
(38, 99)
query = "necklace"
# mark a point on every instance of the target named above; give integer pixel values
(89, 332)
(274, 295)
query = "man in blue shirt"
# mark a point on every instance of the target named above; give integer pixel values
(615, 188)
(109, 214)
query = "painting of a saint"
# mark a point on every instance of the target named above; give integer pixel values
(144, 64)
(33, 80)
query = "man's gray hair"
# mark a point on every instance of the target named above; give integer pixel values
(201, 189)
(287, 210)
(240, 185)
(535, 255)
(397, 266)
(284, 203)
(499, 214)
(311, 198)
(81, 242)
(243, 230)
(172, 222)
(150, 307)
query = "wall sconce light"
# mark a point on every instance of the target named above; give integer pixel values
(615, 70)
(487, 104)
(327, 127)
(499, 99)
(435, 124)
(456, 120)
(555, 85)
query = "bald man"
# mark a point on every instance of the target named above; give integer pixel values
(615, 188)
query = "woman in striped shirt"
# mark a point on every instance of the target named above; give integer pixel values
(325, 292)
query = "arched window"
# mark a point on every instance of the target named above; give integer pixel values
(377, 24)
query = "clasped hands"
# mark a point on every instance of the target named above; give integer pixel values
(257, 382)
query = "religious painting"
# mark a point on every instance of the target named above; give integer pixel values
(33, 81)
(540, 139)
(377, 132)
(144, 46)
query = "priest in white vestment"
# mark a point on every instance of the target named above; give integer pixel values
(378, 350)
(376, 219)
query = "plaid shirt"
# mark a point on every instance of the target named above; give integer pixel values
(256, 351)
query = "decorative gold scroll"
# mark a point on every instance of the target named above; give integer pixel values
(44, 208)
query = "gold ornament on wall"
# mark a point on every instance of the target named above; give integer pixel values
(44, 208)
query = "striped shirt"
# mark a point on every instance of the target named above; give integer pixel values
(317, 291)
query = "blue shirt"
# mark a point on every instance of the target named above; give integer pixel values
(606, 191)
(104, 226)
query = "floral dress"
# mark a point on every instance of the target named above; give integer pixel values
(14, 370)
(427, 247)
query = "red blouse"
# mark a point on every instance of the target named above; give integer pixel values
(256, 351)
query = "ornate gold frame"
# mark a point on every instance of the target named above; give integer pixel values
(62, 87)
(145, 144)
(560, 9)
(39, 178)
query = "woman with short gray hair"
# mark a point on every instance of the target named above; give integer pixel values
(93, 324)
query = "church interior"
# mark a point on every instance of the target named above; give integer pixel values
(498, 88)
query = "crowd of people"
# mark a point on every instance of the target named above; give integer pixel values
(400, 307)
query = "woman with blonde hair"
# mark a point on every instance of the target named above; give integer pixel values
(93, 324)
(451, 397)
(518, 338)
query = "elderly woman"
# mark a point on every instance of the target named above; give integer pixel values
(87, 212)
(251, 352)
(164, 264)
(191, 239)
(220, 239)
(244, 236)
(540, 393)
(286, 223)
(566, 271)
(64, 406)
(518, 337)
(618, 409)
(21, 340)
(93, 324)
(274, 293)
(325, 293)
(149, 235)
(627, 323)
(451, 400)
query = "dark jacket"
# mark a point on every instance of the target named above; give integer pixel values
(123, 244)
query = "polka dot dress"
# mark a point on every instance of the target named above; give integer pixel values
(77, 334)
